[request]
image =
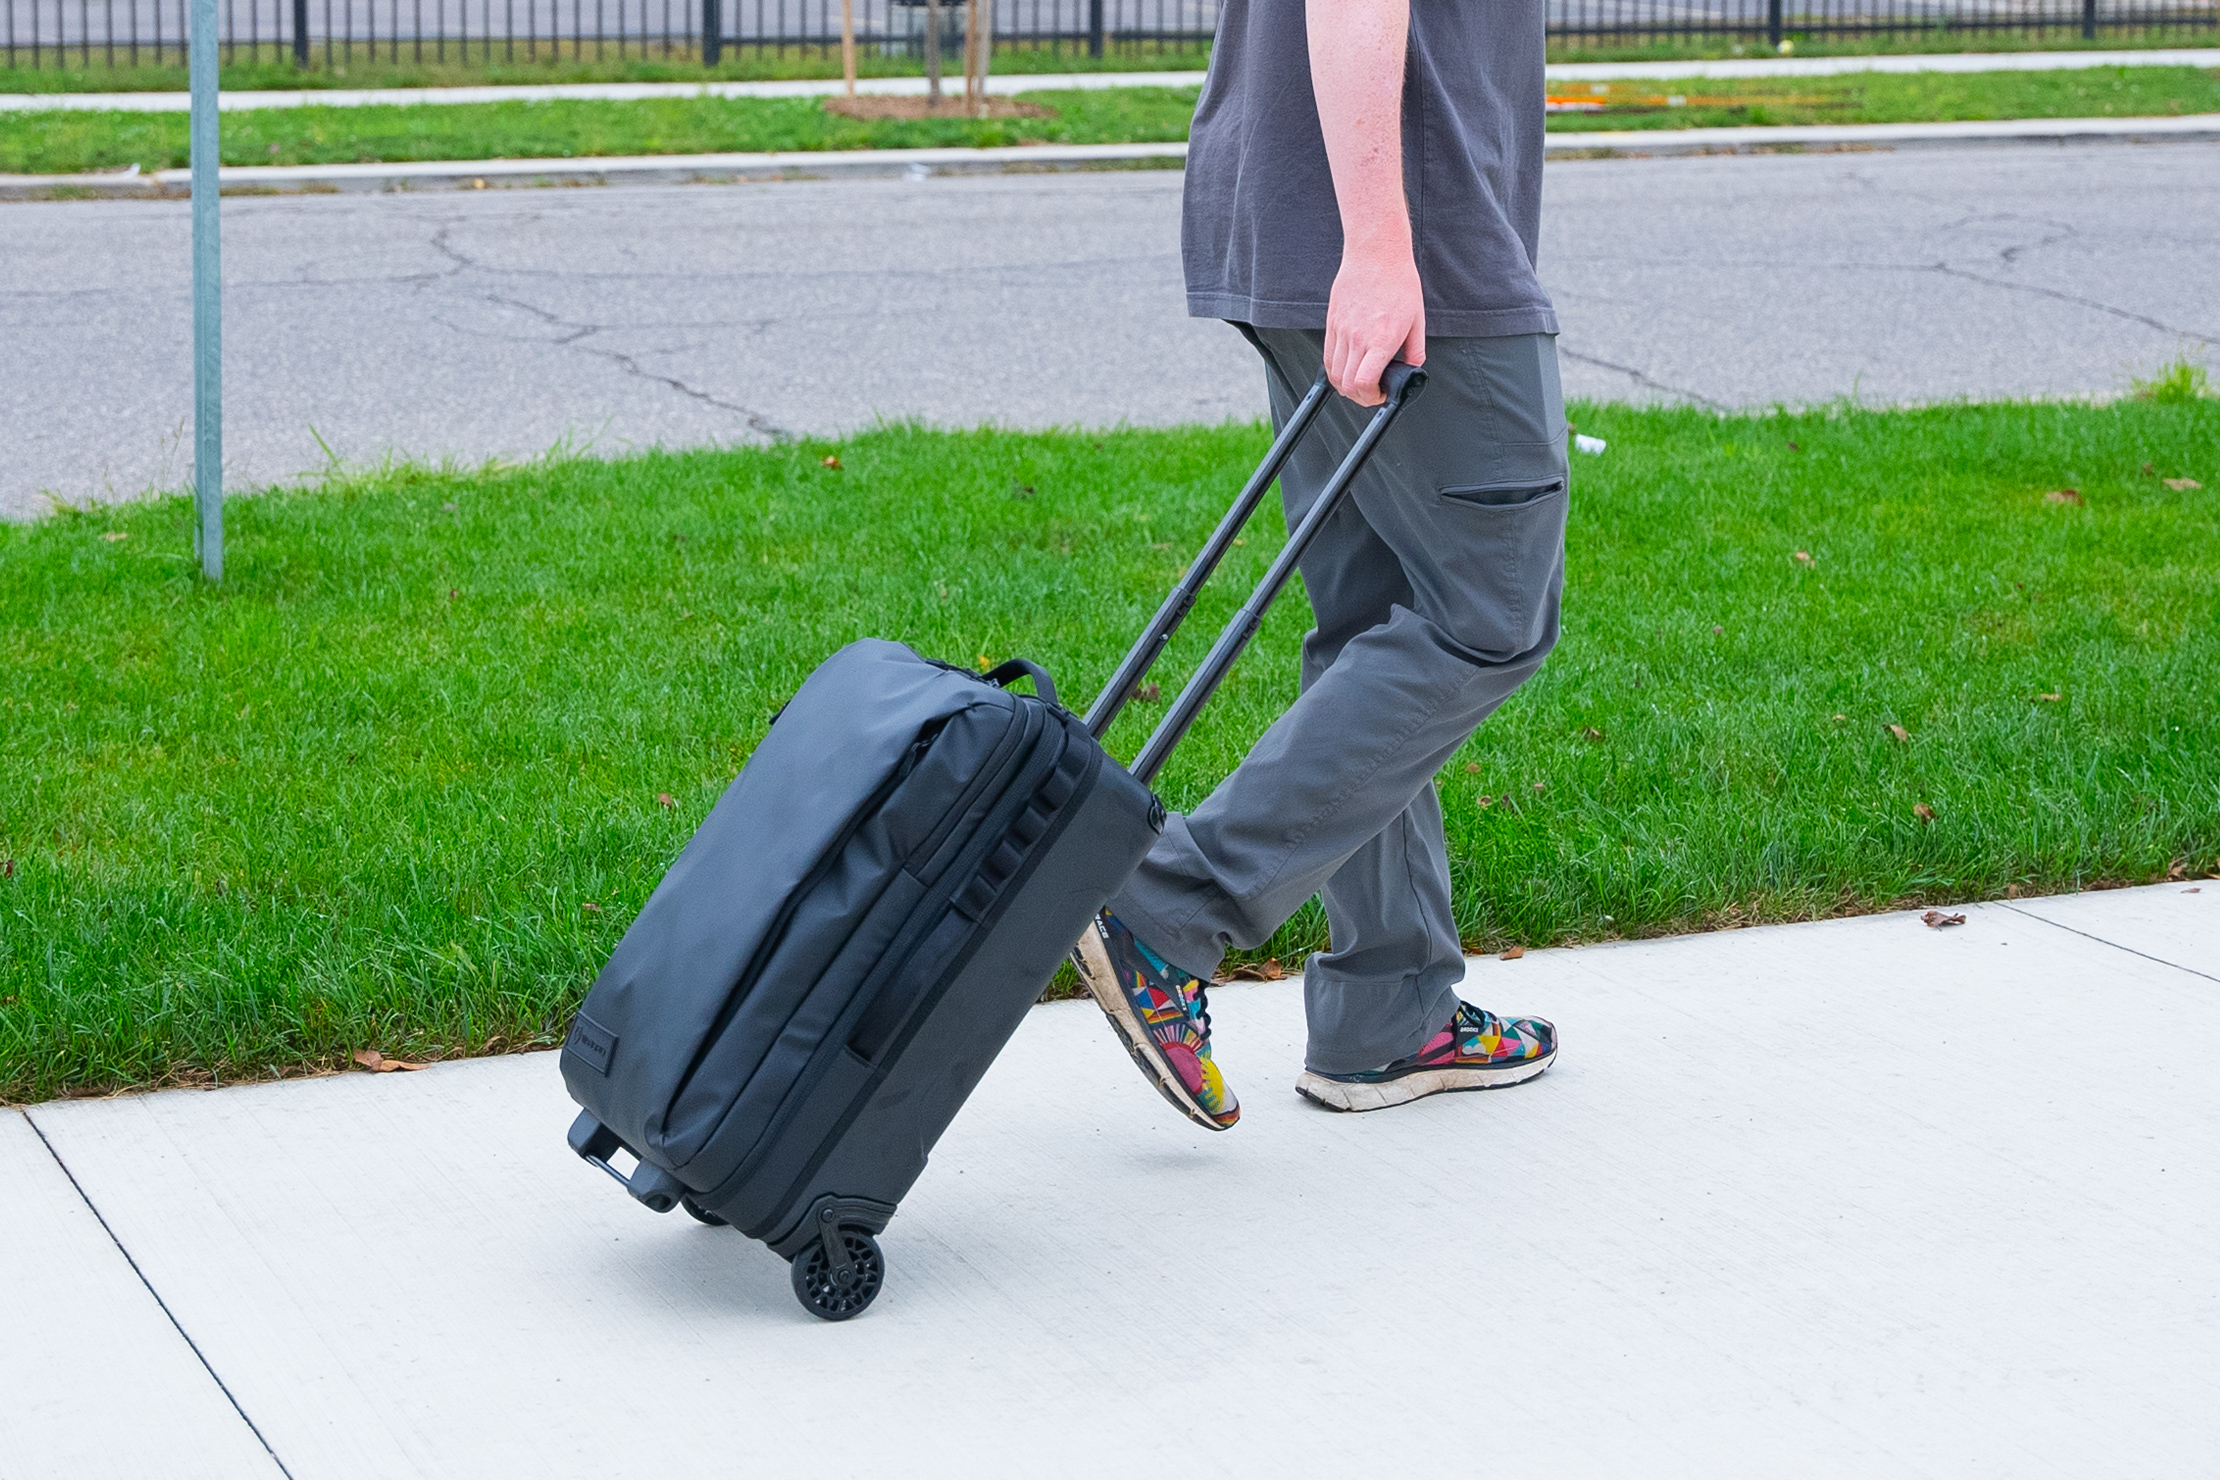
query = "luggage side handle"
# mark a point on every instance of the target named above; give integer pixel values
(651, 1186)
(1008, 673)
(1402, 384)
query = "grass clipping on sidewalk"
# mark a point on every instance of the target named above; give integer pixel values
(402, 780)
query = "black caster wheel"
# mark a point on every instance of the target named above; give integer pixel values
(835, 1290)
(699, 1213)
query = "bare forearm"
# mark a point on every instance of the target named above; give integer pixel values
(1378, 310)
(1356, 68)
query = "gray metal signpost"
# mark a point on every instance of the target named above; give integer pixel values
(208, 367)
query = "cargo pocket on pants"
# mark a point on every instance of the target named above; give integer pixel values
(1518, 528)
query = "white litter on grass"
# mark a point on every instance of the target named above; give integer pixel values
(1582, 442)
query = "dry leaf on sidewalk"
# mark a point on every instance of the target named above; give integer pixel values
(1936, 919)
(1257, 971)
(1512, 954)
(378, 1063)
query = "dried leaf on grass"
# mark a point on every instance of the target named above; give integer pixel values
(832, 460)
(1592, 735)
(1903, 736)
(1923, 812)
(1936, 919)
(116, 534)
(2064, 496)
(2181, 485)
(1804, 556)
(2050, 698)
(1257, 971)
(665, 799)
(1147, 693)
(378, 1063)
(1512, 954)
(1472, 768)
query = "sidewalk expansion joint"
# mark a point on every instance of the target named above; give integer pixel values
(2100, 940)
(163, 1305)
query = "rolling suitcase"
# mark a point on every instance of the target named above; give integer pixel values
(862, 920)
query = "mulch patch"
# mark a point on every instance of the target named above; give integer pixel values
(950, 105)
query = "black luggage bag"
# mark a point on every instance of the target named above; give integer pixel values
(861, 922)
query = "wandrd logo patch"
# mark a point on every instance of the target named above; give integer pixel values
(594, 1045)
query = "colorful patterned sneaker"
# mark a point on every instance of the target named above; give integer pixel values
(1478, 1050)
(1161, 1015)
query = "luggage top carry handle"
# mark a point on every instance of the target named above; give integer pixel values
(1402, 384)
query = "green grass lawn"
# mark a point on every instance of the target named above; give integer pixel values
(64, 142)
(1884, 97)
(60, 142)
(402, 780)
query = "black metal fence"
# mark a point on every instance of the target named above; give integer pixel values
(331, 33)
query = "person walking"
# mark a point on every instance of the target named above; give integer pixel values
(1364, 184)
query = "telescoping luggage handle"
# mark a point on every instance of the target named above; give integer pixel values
(1401, 383)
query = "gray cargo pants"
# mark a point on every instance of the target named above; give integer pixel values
(1435, 589)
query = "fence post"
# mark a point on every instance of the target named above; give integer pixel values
(208, 364)
(712, 33)
(1773, 24)
(1094, 28)
(2088, 20)
(300, 33)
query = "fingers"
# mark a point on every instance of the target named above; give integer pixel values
(1370, 365)
(1351, 368)
(1414, 348)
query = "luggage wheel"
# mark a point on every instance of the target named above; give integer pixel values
(839, 1273)
(699, 1213)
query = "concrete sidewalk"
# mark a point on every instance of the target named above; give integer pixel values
(1859, 1198)
(1021, 82)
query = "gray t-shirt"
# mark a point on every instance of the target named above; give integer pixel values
(1261, 233)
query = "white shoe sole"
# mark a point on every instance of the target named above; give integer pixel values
(1092, 960)
(1336, 1094)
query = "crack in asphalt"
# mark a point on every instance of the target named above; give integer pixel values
(1641, 376)
(757, 422)
(577, 333)
(1946, 270)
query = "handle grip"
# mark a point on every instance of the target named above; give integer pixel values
(1395, 380)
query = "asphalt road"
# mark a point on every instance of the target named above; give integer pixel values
(511, 322)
